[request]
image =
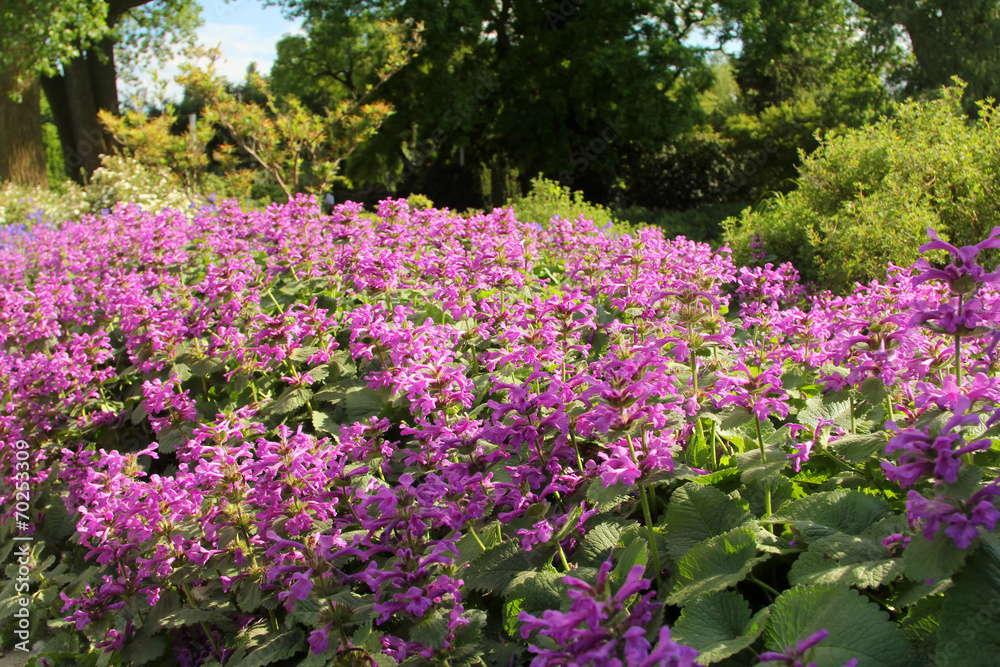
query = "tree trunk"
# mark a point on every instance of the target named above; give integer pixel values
(22, 152)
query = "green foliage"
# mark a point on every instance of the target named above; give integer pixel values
(719, 625)
(865, 198)
(703, 224)
(857, 627)
(548, 199)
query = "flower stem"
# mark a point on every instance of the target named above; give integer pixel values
(644, 501)
(763, 460)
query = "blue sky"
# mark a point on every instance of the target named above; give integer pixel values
(246, 30)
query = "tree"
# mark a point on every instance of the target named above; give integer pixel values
(68, 47)
(504, 91)
(805, 69)
(947, 39)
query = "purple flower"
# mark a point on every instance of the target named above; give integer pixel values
(796, 657)
(963, 275)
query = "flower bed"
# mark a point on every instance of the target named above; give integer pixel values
(286, 438)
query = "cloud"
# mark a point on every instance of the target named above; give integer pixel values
(243, 30)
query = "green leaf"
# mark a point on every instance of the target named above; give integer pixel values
(835, 407)
(754, 470)
(718, 625)
(636, 552)
(302, 354)
(291, 399)
(970, 615)
(539, 590)
(431, 631)
(783, 491)
(715, 564)
(695, 514)
(859, 448)
(608, 498)
(857, 628)
(839, 511)
(850, 560)
(361, 403)
(874, 390)
(144, 650)
(323, 422)
(597, 544)
(188, 616)
(933, 560)
(496, 569)
(278, 647)
(205, 367)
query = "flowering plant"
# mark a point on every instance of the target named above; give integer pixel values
(262, 437)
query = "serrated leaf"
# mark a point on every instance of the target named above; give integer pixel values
(718, 625)
(431, 631)
(361, 403)
(874, 390)
(302, 354)
(596, 545)
(495, 570)
(839, 511)
(932, 560)
(324, 422)
(188, 616)
(857, 628)
(608, 498)
(859, 448)
(636, 552)
(782, 489)
(205, 367)
(278, 647)
(697, 513)
(848, 560)
(970, 615)
(291, 399)
(754, 470)
(142, 651)
(539, 590)
(833, 408)
(715, 564)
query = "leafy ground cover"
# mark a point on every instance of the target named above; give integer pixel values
(278, 437)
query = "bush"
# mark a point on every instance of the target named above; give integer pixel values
(702, 223)
(865, 198)
(123, 179)
(26, 207)
(548, 199)
(118, 179)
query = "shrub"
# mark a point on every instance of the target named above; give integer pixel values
(702, 223)
(21, 206)
(548, 199)
(123, 179)
(864, 198)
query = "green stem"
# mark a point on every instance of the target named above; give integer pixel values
(562, 557)
(648, 516)
(204, 626)
(766, 587)
(763, 460)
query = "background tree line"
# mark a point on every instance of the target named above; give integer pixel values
(637, 103)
